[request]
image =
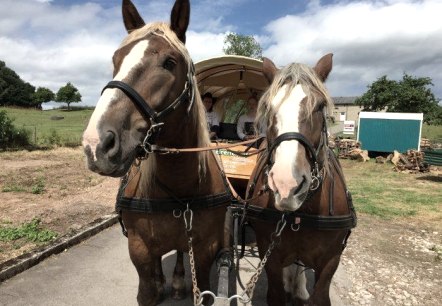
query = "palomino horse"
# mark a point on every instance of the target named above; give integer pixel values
(168, 201)
(299, 206)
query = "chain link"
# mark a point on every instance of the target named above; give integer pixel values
(247, 294)
(197, 300)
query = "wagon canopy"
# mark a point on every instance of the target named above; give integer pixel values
(229, 79)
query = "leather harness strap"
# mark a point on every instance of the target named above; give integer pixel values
(340, 222)
(151, 206)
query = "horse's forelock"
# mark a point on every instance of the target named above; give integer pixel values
(292, 75)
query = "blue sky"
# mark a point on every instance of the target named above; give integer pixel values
(49, 43)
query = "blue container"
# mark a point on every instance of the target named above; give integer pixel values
(386, 132)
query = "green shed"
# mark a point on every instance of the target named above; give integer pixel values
(386, 132)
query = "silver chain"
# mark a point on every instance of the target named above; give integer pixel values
(197, 300)
(247, 294)
(188, 220)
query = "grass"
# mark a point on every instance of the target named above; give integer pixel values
(380, 191)
(45, 131)
(34, 185)
(432, 132)
(29, 231)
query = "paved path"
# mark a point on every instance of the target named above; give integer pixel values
(99, 272)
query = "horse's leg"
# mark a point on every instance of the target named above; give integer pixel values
(324, 275)
(159, 278)
(145, 264)
(295, 283)
(276, 295)
(178, 283)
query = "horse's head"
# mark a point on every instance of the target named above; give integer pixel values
(294, 108)
(153, 76)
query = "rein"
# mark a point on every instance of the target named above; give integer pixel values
(165, 150)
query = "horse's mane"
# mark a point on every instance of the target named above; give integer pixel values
(197, 114)
(313, 87)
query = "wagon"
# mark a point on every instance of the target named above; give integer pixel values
(231, 80)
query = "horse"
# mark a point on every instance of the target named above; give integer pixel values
(167, 201)
(298, 202)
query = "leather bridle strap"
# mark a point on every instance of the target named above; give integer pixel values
(142, 105)
(292, 136)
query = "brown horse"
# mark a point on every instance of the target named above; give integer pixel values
(299, 202)
(168, 201)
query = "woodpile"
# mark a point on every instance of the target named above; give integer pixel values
(425, 143)
(412, 161)
(350, 148)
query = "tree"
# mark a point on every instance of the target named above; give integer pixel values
(68, 94)
(410, 95)
(42, 95)
(245, 45)
(13, 90)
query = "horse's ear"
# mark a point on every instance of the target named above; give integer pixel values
(179, 18)
(131, 17)
(269, 69)
(324, 66)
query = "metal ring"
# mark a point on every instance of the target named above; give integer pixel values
(177, 215)
(200, 301)
(315, 183)
(297, 228)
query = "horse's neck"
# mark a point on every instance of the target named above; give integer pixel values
(331, 197)
(183, 174)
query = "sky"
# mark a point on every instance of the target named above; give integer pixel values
(52, 42)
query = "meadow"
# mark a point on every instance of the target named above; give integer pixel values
(61, 127)
(52, 127)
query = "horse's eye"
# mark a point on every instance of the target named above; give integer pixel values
(169, 64)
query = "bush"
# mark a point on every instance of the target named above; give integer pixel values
(53, 139)
(10, 136)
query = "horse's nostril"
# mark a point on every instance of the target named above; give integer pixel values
(109, 143)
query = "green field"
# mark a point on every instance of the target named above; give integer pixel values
(432, 132)
(379, 190)
(45, 130)
(68, 130)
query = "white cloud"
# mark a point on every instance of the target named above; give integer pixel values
(48, 44)
(368, 39)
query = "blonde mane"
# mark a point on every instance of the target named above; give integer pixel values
(292, 75)
(196, 113)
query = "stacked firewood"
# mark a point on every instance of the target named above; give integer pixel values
(425, 143)
(350, 148)
(411, 161)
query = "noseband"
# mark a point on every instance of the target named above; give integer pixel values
(188, 94)
(312, 153)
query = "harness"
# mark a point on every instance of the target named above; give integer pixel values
(298, 219)
(184, 206)
(151, 115)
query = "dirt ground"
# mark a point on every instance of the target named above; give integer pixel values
(71, 196)
(386, 262)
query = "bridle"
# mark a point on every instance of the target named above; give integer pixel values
(151, 115)
(312, 153)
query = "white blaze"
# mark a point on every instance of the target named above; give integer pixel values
(91, 134)
(287, 119)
